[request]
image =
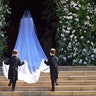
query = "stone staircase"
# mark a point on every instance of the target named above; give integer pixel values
(71, 83)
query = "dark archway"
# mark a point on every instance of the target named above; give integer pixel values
(19, 6)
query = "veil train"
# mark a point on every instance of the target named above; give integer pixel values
(30, 50)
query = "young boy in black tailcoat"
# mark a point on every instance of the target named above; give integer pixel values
(13, 63)
(53, 63)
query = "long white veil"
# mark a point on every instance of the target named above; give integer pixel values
(30, 50)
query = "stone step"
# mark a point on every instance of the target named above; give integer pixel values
(47, 83)
(48, 93)
(77, 68)
(71, 83)
(46, 88)
(68, 75)
(43, 78)
(65, 73)
(91, 77)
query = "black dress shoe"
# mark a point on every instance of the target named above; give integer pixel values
(9, 84)
(13, 89)
(52, 90)
(56, 83)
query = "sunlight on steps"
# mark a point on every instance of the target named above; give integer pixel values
(72, 82)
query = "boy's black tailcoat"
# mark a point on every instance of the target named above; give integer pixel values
(53, 63)
(13, 63)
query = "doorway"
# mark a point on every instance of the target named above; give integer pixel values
(36, 7)
(17, 8)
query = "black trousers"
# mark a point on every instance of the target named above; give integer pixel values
(13, 83)
(53, 84)
(54, 80)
